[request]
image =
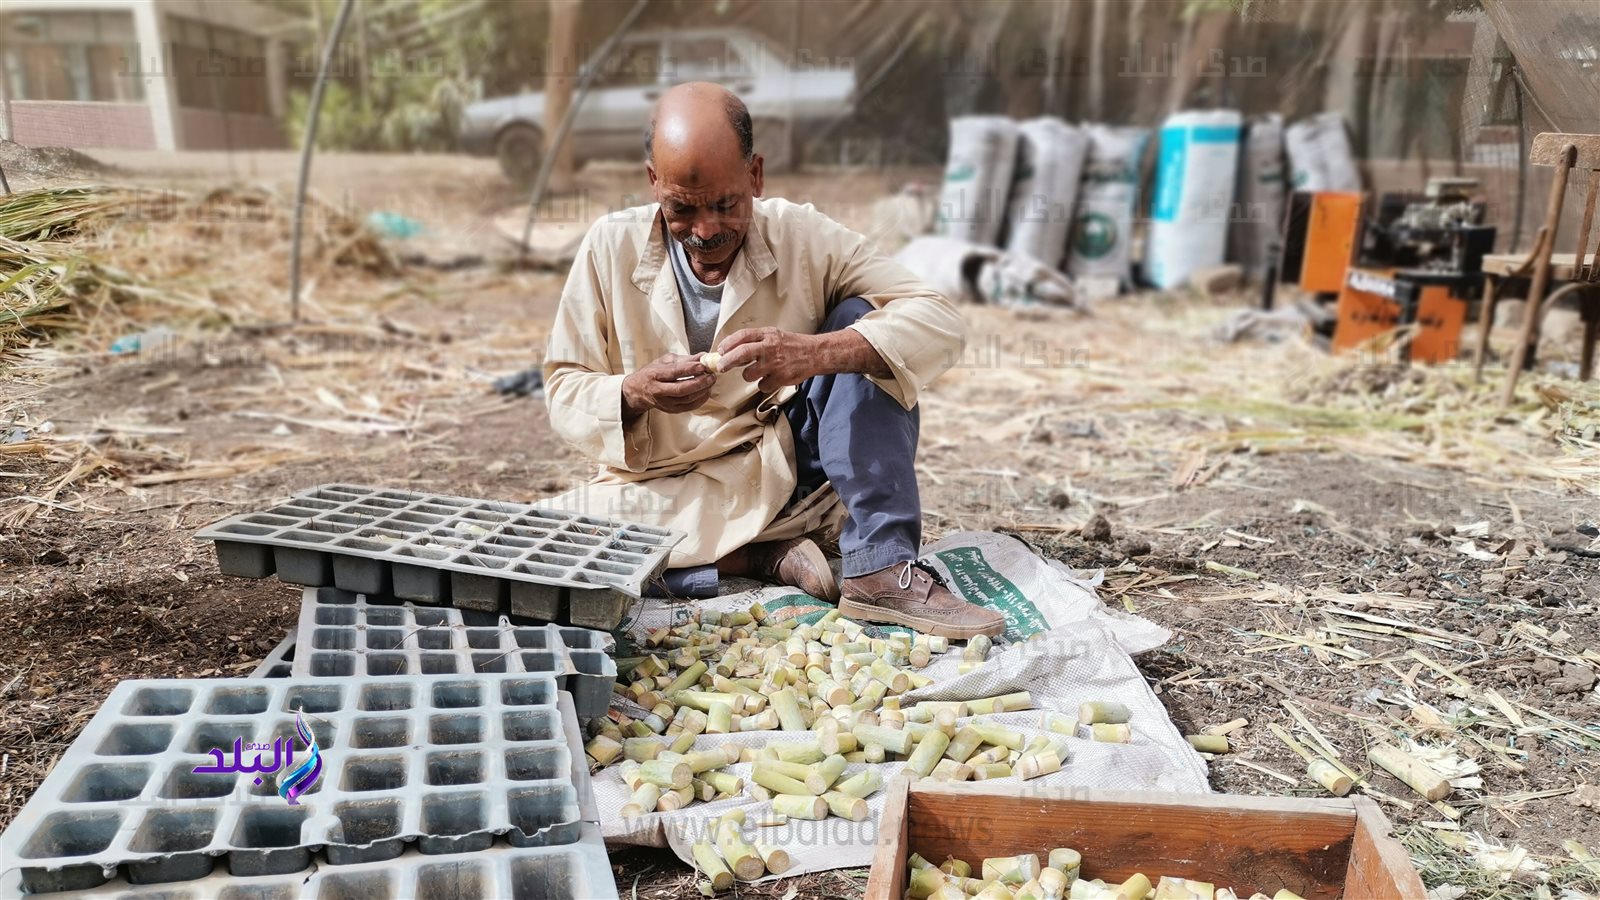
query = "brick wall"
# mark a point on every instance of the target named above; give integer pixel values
(62, 123)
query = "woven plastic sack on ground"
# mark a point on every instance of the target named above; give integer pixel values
(1102, 228)
(1084, 655)
(969, 273)
(1195, 170)
(977, 178)
(1044, 188)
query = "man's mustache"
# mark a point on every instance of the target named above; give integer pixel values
(715, 242)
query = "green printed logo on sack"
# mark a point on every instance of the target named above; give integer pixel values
(964, 172)
(1111, 171)
(975, 580)
(804, 607)
(808, 610)
(1097, 235)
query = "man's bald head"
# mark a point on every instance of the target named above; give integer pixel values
(703, 168)
(695, 113)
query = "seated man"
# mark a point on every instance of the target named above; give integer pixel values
(739, 458)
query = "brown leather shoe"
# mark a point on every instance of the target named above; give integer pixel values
(907, 594)
(798, 562)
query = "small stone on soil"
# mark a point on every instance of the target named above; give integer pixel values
(1097, 529)
(1545, 669)
(1574, 680)
(1134, 546)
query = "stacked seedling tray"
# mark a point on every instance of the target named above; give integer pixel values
(578, 871)
(434, 549)
(343, 634)
(426, 766)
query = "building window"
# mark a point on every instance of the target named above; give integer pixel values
(218, 68)
(83, 56)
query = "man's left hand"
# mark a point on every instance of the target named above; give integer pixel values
(775, 357)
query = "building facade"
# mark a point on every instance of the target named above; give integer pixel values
(142, 74)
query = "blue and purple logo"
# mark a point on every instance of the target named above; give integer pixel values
(295, 780)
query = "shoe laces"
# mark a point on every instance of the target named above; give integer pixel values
(904, 581)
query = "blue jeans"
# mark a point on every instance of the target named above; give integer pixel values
(851, 434)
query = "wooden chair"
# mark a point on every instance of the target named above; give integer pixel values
(1577, 272)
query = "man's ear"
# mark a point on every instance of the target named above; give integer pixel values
(756, 175)
(650, 172)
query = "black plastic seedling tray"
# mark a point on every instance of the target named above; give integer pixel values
(484, 555)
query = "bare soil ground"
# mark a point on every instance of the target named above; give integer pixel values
(1292, 478)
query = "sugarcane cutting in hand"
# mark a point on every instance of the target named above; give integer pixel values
(746, 370)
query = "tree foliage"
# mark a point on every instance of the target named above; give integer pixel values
(405, 69)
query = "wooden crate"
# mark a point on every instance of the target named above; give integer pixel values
(1320, 849)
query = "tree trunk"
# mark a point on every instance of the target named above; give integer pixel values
(1097, 59)
(562, 60)
(1200, 41)
(1053, 52)
(978, 31)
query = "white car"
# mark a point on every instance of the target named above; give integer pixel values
(783, 97)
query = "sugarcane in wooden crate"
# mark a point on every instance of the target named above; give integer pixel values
(1025, 877)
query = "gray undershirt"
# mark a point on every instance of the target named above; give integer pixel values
(701, 302)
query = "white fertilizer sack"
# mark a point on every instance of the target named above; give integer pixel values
(1102, 228)
(977, 178)
(1195, 171)
(1044, 189)
(1084, 656)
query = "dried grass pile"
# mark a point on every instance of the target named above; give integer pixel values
(99, 260)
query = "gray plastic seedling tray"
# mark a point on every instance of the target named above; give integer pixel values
(430, 548)
(280, 662)
(442, 762)
(576, 871)
(345, 634)
(579, 871)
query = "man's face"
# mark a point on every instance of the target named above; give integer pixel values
(706, 199)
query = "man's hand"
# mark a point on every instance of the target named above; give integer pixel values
(772, 356)
(779, 358)
(672, 384)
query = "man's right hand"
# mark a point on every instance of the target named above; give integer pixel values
(672, 384)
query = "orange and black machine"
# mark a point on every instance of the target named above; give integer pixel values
(1413, 263)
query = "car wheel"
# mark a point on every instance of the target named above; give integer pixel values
(774, 140)
(520, 149)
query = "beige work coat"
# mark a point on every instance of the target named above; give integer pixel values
(723, 473)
